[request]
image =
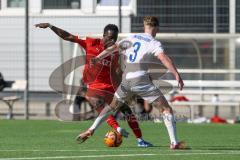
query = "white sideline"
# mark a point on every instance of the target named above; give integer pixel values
(119, 155)
(118, 150)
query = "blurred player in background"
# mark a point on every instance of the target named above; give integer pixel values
(102, 80)
(137, 81)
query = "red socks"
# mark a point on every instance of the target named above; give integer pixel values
(132, 122)
(111, 121)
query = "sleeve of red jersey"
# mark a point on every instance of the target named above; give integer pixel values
(81, 42)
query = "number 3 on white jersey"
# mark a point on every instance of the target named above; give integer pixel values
(133, 56)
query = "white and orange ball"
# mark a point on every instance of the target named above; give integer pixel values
(113, 139)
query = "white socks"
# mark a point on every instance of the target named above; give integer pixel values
(102, 117)
(119, 129)
(139, 139)
(170, 124)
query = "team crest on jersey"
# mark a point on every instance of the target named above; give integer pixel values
(124, 45)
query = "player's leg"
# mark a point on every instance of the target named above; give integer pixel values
(111, 121)
(99, 103)
(108, 97)
(133, 124)
(107, 110)
(168, 117)
(145, 88)
(131, 120)
(169, 121)
(114, 106)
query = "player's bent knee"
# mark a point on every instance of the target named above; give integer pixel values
(162, 105)
(115, 104)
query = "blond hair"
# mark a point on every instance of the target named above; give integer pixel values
(150, 21)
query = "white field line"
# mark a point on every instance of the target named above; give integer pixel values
(119, 155)
(119, 150)
(40, 150)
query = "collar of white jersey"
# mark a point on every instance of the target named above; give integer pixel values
(148, 34)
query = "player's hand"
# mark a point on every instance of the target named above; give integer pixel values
(109, 43)
(180, 81)
(42, 25)
(94, 61)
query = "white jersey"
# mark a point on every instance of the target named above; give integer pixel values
(143, 48)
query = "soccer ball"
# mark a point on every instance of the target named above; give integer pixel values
(113, 139)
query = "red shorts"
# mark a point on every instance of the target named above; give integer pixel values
(99, 96)
(105, 95)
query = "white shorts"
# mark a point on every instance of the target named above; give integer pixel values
(141, 86)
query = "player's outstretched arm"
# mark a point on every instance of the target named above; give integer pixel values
(168, 63)
(61, 33)
(113, 48)
(104, 54)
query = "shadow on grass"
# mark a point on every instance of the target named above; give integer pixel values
(159, 147)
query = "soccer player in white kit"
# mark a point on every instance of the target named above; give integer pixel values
(139, 50)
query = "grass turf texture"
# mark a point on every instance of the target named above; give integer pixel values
(21, 140)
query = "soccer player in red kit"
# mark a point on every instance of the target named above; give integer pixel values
(101, 79)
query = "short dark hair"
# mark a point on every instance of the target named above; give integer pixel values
(151, 21)
(111, 27)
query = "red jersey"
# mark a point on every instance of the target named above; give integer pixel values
(99, 76)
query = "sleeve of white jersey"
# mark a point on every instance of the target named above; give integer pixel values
(157, 48)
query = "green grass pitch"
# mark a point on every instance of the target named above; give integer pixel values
(43, 140)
